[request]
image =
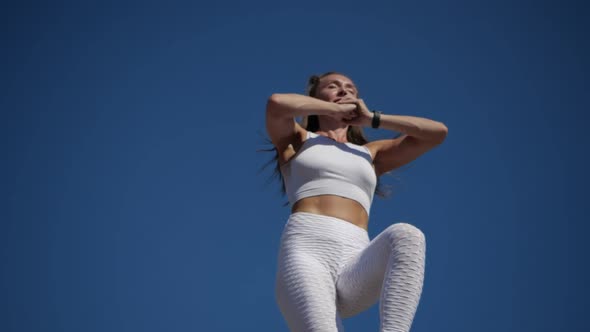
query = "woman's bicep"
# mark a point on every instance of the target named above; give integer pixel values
(394, 153)
(281, 127)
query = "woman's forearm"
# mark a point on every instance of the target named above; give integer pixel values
(295, 105)
(420, 128)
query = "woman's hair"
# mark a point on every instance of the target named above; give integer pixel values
(354, 134)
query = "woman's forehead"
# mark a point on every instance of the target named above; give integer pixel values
(336, 77)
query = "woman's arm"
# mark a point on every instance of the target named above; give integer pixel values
(418, 136)
(282, 109)
(420, 128)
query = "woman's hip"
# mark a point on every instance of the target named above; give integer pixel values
(328, 240)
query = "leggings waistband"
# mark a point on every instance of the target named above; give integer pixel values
(325, 226)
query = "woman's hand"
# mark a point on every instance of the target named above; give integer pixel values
(344, 111)
(359, 115)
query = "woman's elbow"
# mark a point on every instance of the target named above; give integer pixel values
(276, 99)
(441, 133)
(274, 102)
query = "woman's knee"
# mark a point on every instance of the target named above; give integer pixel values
(403, 230)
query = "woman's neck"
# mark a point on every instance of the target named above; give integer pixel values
(333, 129)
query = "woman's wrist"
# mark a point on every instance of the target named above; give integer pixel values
(376, 119)
(368, 120)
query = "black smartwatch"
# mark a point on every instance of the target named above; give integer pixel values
(376, 119)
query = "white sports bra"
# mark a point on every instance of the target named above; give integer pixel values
(325, 167)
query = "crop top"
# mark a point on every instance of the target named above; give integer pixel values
(324, 166)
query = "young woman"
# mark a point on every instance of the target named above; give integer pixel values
(328, 268)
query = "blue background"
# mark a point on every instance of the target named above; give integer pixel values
(131, 192)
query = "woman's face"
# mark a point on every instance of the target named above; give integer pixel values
(336, 87)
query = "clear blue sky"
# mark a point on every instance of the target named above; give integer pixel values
(131, 199)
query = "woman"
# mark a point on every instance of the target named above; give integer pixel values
(328, 268)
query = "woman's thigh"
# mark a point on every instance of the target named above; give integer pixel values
(306, 294)
(359, 282)
(397, 253)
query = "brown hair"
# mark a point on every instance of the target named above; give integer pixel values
(354, 134)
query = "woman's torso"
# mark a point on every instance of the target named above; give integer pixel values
(328, 205)
(334, 206)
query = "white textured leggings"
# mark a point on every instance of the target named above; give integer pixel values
(328, 269)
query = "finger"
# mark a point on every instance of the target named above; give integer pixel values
(362, 104)
(348, 107)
